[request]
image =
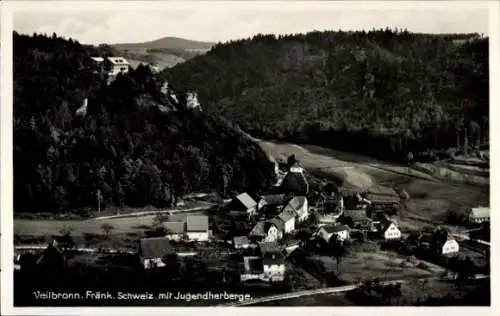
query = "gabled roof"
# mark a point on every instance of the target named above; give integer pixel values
(197, 223)
(258, 230)
(287, 214)
(175, 227)
(151, 248)
(241, 240)
(118, 60)
(272, 257)
(276, 221)
(335, 228)
(275, 199)
(384, 225)
(480, 212)
(296, 204)
(246, 200)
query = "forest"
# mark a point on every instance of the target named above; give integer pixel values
(131, 146)
(383, 93)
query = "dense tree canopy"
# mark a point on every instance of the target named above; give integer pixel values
(133, 146)
(383, 93)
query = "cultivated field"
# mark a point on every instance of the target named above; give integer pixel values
(430, 200)
(123, 225)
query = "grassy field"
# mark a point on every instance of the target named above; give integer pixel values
(360, 266)
(124, 225)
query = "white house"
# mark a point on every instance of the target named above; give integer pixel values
(339, 231)
(478, 215)
(197, 227)
(153, 250)
(390, 231)
(117, 65)
(450, 246)
(287, 216)
(175, 230)
(274, 266)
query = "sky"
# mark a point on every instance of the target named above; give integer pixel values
(129, 26)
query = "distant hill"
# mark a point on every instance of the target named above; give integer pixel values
(382, 93)
(166, 51)
(166, 42)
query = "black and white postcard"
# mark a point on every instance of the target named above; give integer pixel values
(181, 154)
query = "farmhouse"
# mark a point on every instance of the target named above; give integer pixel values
(288, 219)
(382, 201)
(269, 231)
(339, 231)
(197, 227)
(175, 230)
(299, 206)
(389, 230)
(153, 250)
(274, 266)
(478, 215)
(243, 203)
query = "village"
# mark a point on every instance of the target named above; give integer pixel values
(292, 237)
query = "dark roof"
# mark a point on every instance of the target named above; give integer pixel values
(357, 214)
(258, 230)
(276, 221)
(295, 182)
(175, 227)
(335, 228)
(197, 223)
(253, 264)
(275, 199)
(272, 257)
(150, 248)
(268, 247)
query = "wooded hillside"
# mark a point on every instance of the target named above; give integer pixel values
(382, 93)
(133, 146)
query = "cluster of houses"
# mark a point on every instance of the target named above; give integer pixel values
(194, 229)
